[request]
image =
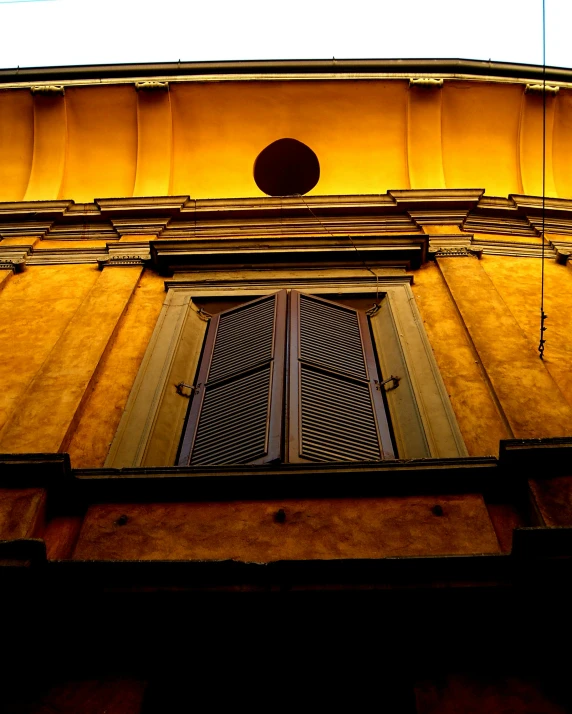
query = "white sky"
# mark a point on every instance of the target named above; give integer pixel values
(38, 33)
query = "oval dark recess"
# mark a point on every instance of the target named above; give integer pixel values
(286, 167)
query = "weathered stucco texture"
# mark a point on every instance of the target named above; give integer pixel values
(115, 375)
(518, 283)
(55, 392)
(202, 138)
(253, 531)
(553, 498)
(470, 393)
(21, 512)
(508, 351)
(35, 308)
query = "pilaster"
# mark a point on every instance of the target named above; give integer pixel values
(519, 378)
(52, 403)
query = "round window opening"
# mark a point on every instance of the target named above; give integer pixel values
(286, 167)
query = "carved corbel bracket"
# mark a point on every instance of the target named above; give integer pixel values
(120, 256)
(425, 82)
(16, 265)
(120, 261)
(49, 90)
(449, 252)
(540, 88)
(453, 246)
(562, 255)
(152, 86)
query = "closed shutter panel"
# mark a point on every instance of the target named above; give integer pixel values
(236, 412)
(336, 410)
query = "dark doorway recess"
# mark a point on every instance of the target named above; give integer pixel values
(286, 167)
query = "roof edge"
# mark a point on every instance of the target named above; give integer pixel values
(346, 66)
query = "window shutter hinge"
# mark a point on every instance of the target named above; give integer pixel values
(373, 310)
(395, 383)
(182, 386)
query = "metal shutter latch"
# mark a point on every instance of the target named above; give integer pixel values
(395, 382)
(182, 386)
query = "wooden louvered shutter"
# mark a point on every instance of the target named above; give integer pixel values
(236, 412)
(336, 410)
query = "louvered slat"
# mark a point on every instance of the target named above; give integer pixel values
(336, 410)
(330, 336)
(236, 413)
(244, 338)
(234, 417)
(337, 419)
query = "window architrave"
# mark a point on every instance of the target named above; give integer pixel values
(423, 421)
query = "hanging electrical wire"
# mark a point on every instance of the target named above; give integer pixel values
(543, 315)
(329, 232)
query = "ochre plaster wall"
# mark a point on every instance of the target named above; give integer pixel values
(46, 415)
(69, 351)
(202, 138)
(118, 368)
(249, 531)
(472, 398)
(65, 326)
(35, 308)
(481, 318)
(518, 283)
(499, 318)
(22, 512)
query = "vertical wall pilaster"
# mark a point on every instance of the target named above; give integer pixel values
(45, 417)
(154, 141)
(424, 154)
(50, 138)
(519, 378)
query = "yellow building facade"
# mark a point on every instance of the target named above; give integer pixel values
(131, 214)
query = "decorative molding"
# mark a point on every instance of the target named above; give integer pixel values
(439, 217)
(454, 252)
(120, 255)
(422, 418)
(152, 86)
(512, 249)
(157, 205)
(172, 356)
(562, 256)
(96, 230)
(121, 261)
(13, 264)
(437, 198)
(558, 245)
(466, 245)
(34, 209)
(426, 82)
(407, 251)
(140, 225)
(25, 228)
(541, 88)
(457, 245)
(386, 278)
(289, 226)
(66, 256)
(50, 90)
(488, 222)
(307, 225)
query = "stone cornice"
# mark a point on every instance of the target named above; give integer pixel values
(311, 222)
(386, 277)
(400, 250)
(284, 70)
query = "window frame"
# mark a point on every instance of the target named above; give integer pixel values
(422, 419)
